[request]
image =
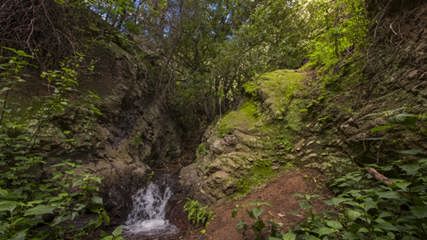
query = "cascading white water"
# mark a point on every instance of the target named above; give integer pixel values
(148, 215)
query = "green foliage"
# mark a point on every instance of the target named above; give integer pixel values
(260, 227)
(397, 121)
(339, 31)
(275, 35)
(40, 196)
(115, 235)
(10, 75)
(371, 210)
(197, 213)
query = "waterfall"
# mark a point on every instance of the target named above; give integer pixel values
(148, 215)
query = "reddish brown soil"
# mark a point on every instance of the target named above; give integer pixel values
(280, 194)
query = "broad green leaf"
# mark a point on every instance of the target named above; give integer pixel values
(389, 195)
(106, 217)
(419, 211)
(355, 193)
(411, 169)
(402, 184)
(423, 162)
(334, 224)
(60, 219)
(19, 235)
(8, 206)
(97, 200)
(23, 54)
(255, 213)
(391, 235)
(347, 235)
(383, 224)
(241, 225)
(384, 214)
(118, 231)
(39, 210)
(323, 231)
(412, 152)
(4, 89)
(336, 201)
(289, 236)
(311, 237)
(353, 214)
(303, 204)
(369, 204)
(3, 227)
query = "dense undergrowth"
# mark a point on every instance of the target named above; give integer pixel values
(41, 194)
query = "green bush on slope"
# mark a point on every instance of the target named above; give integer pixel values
(40, 198)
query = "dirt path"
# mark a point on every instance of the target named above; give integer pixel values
(280, 194)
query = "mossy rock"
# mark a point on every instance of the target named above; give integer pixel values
(294, 114)
(277, 89)
(247, 118)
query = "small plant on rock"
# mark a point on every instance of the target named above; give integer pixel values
(197, 213)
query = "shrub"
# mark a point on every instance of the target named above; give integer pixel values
(40, 197)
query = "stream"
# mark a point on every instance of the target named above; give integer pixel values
(148, 215)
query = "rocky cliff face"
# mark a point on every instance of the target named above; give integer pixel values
(136, 130)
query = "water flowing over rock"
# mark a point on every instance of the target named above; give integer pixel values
(148, 215)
